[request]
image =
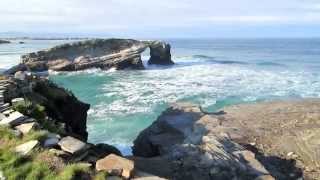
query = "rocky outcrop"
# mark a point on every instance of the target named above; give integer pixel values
(184, 136)
(59, 103)
(4, 42)
(160, 53)
(265, 140)
(97, 53)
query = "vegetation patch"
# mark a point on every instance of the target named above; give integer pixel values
(40, 164)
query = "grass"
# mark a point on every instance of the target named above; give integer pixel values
(38, 112)
(40, 164)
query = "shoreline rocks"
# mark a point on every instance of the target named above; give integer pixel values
(264, 140)
(96, 53)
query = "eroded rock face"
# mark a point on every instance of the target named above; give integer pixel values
(97, 53)
(273, 139)
(183, 136)
(59, 103)
(160, 53)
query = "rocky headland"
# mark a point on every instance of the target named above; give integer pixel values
(96, 53)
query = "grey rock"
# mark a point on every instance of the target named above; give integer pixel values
(72, 145)
(50, 142)
(27, 147)
(14, 119)
(25, 128)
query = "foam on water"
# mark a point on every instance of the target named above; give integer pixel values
(130, 100)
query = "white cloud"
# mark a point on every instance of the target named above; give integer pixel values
(98, 15)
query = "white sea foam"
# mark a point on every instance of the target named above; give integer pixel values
(140, 92)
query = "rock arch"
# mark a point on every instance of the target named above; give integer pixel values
(96, 53)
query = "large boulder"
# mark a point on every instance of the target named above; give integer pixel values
(116, 165)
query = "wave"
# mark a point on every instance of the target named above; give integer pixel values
(270, 64)
(203, 59)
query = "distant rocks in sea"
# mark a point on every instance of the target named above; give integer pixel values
(96, 53)
(4, 42)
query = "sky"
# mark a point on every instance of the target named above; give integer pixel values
(162, 18)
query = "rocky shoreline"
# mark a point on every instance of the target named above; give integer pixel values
(260, 141)
(271, 140)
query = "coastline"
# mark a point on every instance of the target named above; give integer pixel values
(255, 139)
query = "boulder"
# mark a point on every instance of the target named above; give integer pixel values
(13, 119)
(116, 165)
(72, 145)
(27, 147)
(27, 127)
(52, 140)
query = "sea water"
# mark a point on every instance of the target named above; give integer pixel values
(213, 73)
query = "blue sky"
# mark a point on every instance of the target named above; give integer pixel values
(163, 18)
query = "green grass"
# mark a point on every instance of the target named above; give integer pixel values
(34, 166)
(101, 176)
(74, 170)
(38, 112)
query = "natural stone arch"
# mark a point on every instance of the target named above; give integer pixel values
(96, 53)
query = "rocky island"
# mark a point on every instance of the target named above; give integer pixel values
(4, 42)
(97, 53)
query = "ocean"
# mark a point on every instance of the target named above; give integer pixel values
(213, 73)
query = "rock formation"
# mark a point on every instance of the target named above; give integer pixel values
(4, 42)
(59, 103)
(97, 53)
(265, 140)
(160, 53)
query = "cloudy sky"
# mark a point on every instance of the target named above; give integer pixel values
(163, 18)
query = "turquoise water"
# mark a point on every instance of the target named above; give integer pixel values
(211, 73)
